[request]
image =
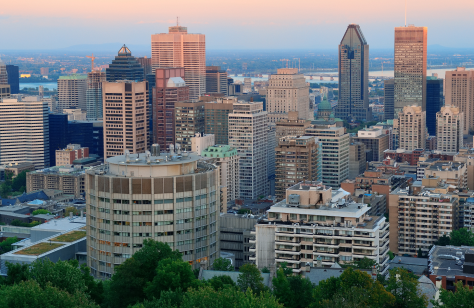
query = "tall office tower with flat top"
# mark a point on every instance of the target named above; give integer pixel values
(287, 91)
(412, 128)
(353, 76)
(410, 67)
(189, 120)
(125, 117)
(178, 48)
(389, 99)
(248, 134)
(94, 95)
(170, 89)
(72, 92)
(216, 80)
(460, 93)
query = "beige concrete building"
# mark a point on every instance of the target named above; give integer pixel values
(375, 141)
(189, 121)
(132, 198)
(287, 91)
(410, 67)
(412, 128)
(292, 126)
(70, 153)
(72, 92)
(64, 178)
(459, 92)
(178, 48)
(357, 159)
(125, 117)
(420, 215)
(298, 158)
(466, 156)
(75, 114)
(449, 129)
(315, 221)
(335, 153)
(452, 173)
(4, 91)
(201, 142)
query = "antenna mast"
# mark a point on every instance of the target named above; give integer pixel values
(405, 13)
(177, 18)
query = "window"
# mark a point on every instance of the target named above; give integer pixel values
(163, 223)
(163, 212)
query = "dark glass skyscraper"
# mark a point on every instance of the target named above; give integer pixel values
(124, 67)
(389, 98)
(353, 76)
(13, 79)
(57, 134)
(434, 102)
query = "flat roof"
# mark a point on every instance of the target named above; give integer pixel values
(64, 224)
(444, 262)
(164, 159)
(12, 208)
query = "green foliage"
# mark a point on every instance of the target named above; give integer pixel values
(6, 245)
(364, 263)
(70, 209)
(265, 270)
(292, 291)
(420, 253)
(244, 211)
(221, 282)
(391, 255)
(462, 298)
(250, 278)
(26, 294)
(405, 289)
(222, 264)
(19, 223)
(443, 240)
(458, 237)
(13, 186)
(40, 212)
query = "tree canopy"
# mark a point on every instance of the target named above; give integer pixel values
(222, 264)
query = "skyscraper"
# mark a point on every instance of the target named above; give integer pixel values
(389, 99)
(94, 95)
(434, 102)
(412, 128)
(72, 92)
(125, 118)
(170, 88)
(189, 120)
(3, 73)
(248, 134)
(450, 127)
(125, 67)
(287, 91)
(460, 93)
(410, 67)
(13, 78)
(178, 48)
(217, 118)
(353, 76)
(216, 80)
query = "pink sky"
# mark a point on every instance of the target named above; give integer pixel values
(230, 24)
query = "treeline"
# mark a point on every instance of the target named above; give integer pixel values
(156, 276)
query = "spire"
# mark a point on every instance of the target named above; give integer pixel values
(124, 51)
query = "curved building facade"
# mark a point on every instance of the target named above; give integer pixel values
(169, 197)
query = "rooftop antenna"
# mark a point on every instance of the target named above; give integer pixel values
(405, 13)
(177, 20)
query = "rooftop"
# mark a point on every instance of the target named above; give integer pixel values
(64, 224)
(60, 170)
(449, 261)
(73, 77)
(172, 158)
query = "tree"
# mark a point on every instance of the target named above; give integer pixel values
(221, 282)
(420, 253)
(40, 212)
(443, 240)
(29, 294)
(461, 237)
(207, 297)
(265, 270)
(19, 182)
(364, 263)
(292, 291)
(95, 288)
(250, 277)
(17, 272)
(244, 211)
(171, 275)
(70, 209)
(127, 285)
(6, 245)
(462, 298)
(405, 289)
(222, 264)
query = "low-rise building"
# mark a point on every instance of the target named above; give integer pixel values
(313, 222)
(450, 264)
(70, 153)
(453, 173)
(69, 180)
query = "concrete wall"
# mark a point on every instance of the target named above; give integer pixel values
(265, 247)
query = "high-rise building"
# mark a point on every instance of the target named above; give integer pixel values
(217, 118)
(357, 159)
(292, 126)
(410, 67)
(353, 99)
(375, 141)
(72, 92)
(216, 80)
(125, 117)
(146, 64)
(460, 93)
(450, 128)
(248, 134)
(189, 121)
(175, 201)
(170, 88)
(24, 131)
(94, 95)
(434, 102)
(287, 91)
(178, 48)
(412, 128)
(306, 167)
(272, 143)
(335, 151)
(201, 142)
(3, 73)
(227, 159)
(125, 67)
(13, 78)
(389, 98)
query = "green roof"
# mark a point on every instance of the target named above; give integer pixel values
(73, 77)
(219, 151)
(324, 105)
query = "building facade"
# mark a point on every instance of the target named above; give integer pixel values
(434, 102)
(450, 129)
(178, 48)
(357, 160)
(353, 99)
(70, 153)
(291, 126)
(287, 91)
(248, 135)
(64, 178)
(460, 93)
(13, 78)
(200, 142)
(125, 117)
(410, 67)
(94, 95)
(412, 128)
(375, 141)
(172, 201)
(389, 99)
(124, 67)
(216, 80)
(189, 121)
(217, 118)
(72, 92)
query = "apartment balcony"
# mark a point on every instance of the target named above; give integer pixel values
(383, 251)
(252, 258)
(289, 252)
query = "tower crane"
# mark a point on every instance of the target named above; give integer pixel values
(92, 60)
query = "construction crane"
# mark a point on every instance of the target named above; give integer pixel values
(286, 61)
(299, 64)
(92, 60)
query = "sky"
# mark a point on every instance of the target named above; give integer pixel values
(243, 24)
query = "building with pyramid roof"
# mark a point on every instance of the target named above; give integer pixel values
(124, 67)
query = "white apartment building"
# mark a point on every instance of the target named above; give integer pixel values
(287, 91)
(412, 128)
(72, 92)
(24, 131)
(248, 134)
(449, 129)
(315, 221)
(200, 142)
(459, 92)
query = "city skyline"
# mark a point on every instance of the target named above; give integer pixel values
(34, 23)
